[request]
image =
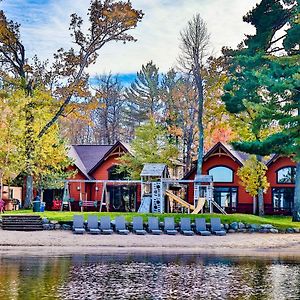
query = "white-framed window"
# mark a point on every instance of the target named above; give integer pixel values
(286, 175)
(221, 174)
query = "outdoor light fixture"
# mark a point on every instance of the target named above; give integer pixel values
(96, 188)
(78, 188)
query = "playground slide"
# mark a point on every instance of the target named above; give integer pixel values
(201, 202)
(179, 200)
(145, 205)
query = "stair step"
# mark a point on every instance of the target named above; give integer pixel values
(22, 222)
(20, 228)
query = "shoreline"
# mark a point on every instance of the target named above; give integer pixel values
(62, 251)
(65, 243)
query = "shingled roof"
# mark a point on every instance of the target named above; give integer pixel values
(88, 157)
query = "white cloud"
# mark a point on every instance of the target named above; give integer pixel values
(45, 29)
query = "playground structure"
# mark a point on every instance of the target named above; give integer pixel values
(190, 207)
(156, 191)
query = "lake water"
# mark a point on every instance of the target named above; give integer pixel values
(148, 277)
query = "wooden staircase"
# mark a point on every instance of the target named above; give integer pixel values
(22, 222)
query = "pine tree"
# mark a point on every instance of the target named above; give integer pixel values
(143, 99)
(151, 145)
(265, 76)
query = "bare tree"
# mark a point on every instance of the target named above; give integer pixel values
(108, 115)
(194, 49)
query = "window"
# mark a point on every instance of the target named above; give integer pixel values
(226, 197)
(286, 175)
(221, 174)
(283, 198)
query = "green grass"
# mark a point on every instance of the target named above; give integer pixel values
(281, 222)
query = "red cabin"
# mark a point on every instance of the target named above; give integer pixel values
(97, 162)
(223, 162)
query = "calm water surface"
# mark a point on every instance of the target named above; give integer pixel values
(148, 277)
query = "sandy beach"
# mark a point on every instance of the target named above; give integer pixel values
(55, 243)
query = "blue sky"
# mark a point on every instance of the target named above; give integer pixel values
(45, 29)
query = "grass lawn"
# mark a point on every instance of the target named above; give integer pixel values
(277, 221)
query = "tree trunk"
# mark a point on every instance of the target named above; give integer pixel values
(189, 149)
(29, 147)
(199, 85)
(29, 191)
(260, 196)
(254, 205)
(296, 208)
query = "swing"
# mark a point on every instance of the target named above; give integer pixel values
(85, 202)
(117, 197)
(103, 194)
(66, 198)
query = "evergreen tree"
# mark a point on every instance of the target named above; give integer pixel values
(151, 145)
(265, 74)
(143, 95)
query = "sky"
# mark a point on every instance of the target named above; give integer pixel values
(44, 29)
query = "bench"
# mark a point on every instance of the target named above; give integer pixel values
(83, 204)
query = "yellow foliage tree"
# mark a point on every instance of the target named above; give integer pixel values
(253, 178)
(46, 157)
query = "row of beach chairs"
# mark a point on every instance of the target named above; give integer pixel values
(120, 227)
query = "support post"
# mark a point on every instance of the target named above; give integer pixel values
(102, 196)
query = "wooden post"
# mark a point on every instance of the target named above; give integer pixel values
(102, 196)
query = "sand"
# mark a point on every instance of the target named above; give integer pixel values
(57, 243)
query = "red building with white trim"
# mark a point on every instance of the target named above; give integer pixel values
(223, 162)
(98, 162)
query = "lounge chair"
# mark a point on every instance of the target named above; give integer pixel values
(105, 225)
(169, 226)
(138, 226)
(78, 224)
(201, 227)
(93, 226)
(153, 226)
(216, 226)
(185, 227)
(120, 225)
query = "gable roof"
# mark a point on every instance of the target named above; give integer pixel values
(77, 161)
(272, 158)
(238, 156)
(107, 154)
(90, 155)
(153, 169)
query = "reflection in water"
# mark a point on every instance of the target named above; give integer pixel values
(32, 278)
(148, 277)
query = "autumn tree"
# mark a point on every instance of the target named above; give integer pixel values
(77, 125)
(217, 122)
(253, 177)
(194, 47)
(11, 154)
(180, 109)
(108, 21)
(150, 145)
(180, 114)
